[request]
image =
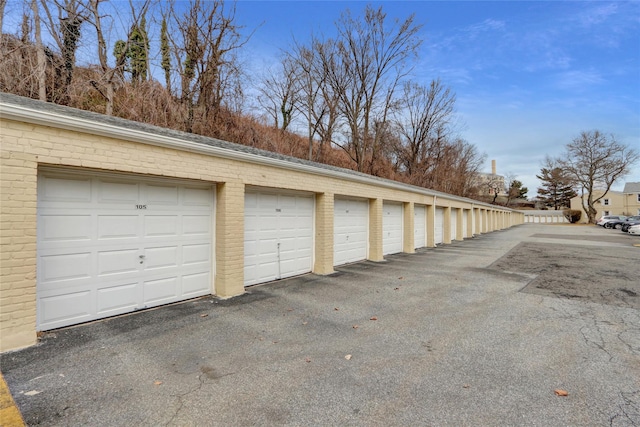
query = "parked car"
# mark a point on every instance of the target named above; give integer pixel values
(617, 224)
(606, 218)
(634, 229)
(627, 224)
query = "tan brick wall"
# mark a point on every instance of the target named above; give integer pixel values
(323, 256)
(408, 235)
(375, 230)
(25, 147)
(229, 241)
(446, 225)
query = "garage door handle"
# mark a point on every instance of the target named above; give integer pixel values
(142, 257)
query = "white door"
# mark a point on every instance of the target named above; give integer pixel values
(419, 226)
(111, 245)
(391, 228)
(278, 236)
(350, 230)
(454, 223)
(439, 226)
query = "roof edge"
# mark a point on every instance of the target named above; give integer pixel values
(100, 127)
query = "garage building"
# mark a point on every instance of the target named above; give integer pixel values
(102, 216)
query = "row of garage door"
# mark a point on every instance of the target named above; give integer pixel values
(111, 245)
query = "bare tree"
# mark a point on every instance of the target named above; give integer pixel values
(371, 60)
(596, 161)
(204, 38)
(3, 3)
(64, 29)
(278, 93)
(424, 113)
(41, 67)
(107, 82)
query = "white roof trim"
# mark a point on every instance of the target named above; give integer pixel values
(46, 118)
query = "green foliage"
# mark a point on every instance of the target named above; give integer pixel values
(165, 51)
(572, 215)
(135, 51)
(557, 188)
(517, 191)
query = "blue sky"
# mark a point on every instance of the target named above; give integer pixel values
(529, 76)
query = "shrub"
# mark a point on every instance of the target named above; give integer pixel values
(572, 215)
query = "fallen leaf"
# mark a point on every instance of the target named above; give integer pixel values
(355, 326)
(304, 323)
(336, 309)
(32, 393)
(395, 289)
(307, 360)
(348, 357)
(374, 318)
(560, 392)
(401, 277)
(466, 386)
(157, 382)
(204, 315)
(289, 309)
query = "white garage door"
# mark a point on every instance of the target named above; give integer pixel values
(278, 236)
(111, 245)
(351, 226)
(439, 226)
(454, 223)
(419, 226)
(391, 228)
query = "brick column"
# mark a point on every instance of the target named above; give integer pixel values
(447, 225)
(323, 262)
(18, 201)
(229, 237)
(375, 230)
(408, 228)
(431, 226)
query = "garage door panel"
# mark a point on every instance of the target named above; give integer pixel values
(157, 195)
(118, 262)
(197, 197)
(65, 190)
(162, 257)
(117, 226)
(351, 223)
(104, 271)
(161, 290)
(66, 227)
(67, 308)
(193, 284)
(196, 224)
(66, 267)
(118, 193)
(161, 225)
(392, 228)
(278, 236)
(118, 299)
(196, 254)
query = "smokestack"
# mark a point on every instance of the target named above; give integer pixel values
(493, 167)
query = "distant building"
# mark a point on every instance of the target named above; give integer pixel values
(625, 202)
(489, 183)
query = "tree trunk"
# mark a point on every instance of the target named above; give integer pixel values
(42, 62)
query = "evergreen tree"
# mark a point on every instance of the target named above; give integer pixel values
(557, 188)
(165, 51)
(135, 51)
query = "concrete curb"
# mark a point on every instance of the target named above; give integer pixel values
(10, 416)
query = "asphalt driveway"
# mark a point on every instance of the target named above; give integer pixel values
(447, 336)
